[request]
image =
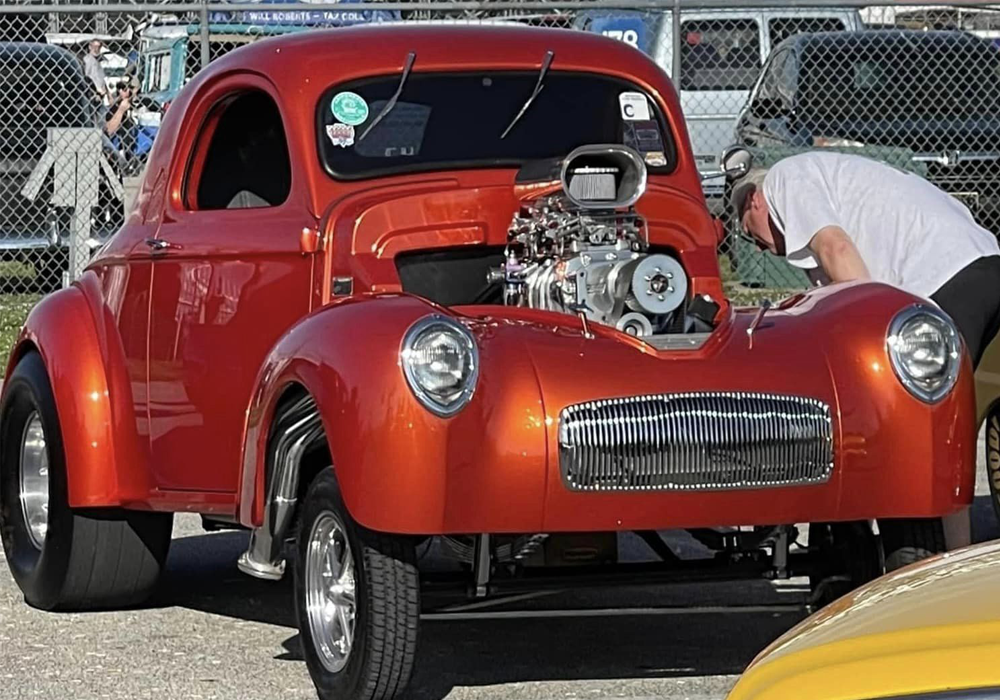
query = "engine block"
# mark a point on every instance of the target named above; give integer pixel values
(595, 262)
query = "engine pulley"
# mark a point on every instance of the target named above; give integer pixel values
(659, 285)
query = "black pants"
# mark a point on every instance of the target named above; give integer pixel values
(972, 299)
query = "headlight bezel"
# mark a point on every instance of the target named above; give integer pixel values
(431, 402)
(954, 351)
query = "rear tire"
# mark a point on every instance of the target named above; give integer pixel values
(993, 457)
(844, 556)
(71, 559)
(375, 659)
(908, 540)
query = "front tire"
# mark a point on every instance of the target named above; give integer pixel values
(62, 558)
(357, 600)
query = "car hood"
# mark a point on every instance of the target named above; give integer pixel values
(949, 590)
(921, 135)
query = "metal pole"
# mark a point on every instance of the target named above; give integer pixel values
(205, 58)
(101, 25)
(675, 33)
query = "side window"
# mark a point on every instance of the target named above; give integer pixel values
(770, 84)
(780, 28)
(788, 78)
(719, 54)
(245, 162)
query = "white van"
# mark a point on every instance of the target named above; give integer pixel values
(721, 54)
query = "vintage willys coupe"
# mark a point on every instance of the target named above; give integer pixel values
(384, 285)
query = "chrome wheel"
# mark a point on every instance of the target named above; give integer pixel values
(34, 479)
(329, 584)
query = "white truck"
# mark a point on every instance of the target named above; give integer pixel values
(721, 53)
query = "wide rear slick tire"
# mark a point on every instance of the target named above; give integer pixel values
(79, 559)
(377, 595)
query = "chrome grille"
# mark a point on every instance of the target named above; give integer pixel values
(695, 441)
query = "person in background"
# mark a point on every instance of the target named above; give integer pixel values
(94, 70)
(844, 217)
(119, 112)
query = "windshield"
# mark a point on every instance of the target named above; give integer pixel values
(901, 78)
(455, 120)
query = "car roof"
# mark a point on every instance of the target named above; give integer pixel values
(303, 66)
(48, 52)
(340, 54)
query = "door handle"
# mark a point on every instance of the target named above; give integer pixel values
(158, 245)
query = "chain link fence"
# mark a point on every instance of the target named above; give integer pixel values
(914, 85)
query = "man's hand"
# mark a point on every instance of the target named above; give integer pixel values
(838, 255)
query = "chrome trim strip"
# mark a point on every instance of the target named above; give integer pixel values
(695, 442)
(677, 341)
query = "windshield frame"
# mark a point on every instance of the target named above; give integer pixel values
(667, 132)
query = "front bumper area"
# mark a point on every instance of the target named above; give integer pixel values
(496, 466)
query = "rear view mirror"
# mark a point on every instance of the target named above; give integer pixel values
(736, 162)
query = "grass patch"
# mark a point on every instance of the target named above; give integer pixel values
(742, 295)
(14, 309)
(17, 269)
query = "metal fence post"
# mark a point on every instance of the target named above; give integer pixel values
(675, 32)
(205, 58)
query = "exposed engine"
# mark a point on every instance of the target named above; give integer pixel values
(585, 250)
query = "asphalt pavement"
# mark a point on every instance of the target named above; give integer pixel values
(212, 632)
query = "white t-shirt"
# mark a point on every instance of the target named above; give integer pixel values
(909, 233)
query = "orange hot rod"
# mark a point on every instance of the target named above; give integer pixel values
(388, 284)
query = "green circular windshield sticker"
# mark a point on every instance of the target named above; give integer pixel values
(349, 108)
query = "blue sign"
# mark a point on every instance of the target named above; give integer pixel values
(631, 28)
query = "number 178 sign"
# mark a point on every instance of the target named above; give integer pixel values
(628, 27)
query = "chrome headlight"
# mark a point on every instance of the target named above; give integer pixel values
(441, 363)
(925, 350)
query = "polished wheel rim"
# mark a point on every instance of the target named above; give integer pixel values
(34, 475)
(329, 583)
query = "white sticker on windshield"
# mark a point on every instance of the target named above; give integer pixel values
(340, 134)
(634, 106)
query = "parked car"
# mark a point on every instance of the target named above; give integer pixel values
(503, 328)
(922, 101)
(720, 59)
(931, 630)
(41, 87)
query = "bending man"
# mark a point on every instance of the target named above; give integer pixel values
(844, 217)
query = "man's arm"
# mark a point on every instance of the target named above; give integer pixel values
(838, 255)
(116, 119)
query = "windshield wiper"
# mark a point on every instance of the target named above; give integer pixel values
(410, 58)
(546, 62)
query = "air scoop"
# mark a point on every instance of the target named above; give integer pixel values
(603, 176)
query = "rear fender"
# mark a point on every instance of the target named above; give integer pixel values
(78, 343)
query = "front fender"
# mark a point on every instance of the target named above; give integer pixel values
(400, 468)
(104, 457)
